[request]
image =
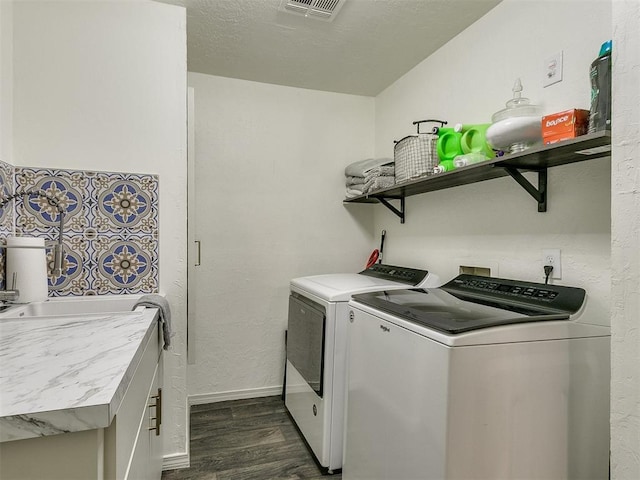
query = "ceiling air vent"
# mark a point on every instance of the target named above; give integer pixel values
(318, 9)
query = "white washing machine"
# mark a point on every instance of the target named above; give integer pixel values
(316, 350)
(483, 378)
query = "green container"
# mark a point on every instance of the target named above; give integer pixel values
(474, 140)
(448, 146)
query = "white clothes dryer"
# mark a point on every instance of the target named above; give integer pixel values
(316, 350)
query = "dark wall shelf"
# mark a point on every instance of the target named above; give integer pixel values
(537, 159)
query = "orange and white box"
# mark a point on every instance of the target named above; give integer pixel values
(564, 125)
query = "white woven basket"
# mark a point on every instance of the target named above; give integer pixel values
(415, 156)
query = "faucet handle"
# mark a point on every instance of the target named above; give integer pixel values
(58, 258)
(9, 295)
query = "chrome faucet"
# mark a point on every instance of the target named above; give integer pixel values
(10, 294)
(58, 248)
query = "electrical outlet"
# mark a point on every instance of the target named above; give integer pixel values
(551, 256)
(552, 70)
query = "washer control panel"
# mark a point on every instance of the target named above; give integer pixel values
(558, 297)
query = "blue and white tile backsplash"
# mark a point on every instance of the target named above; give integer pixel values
(111, 228)
(6, 214)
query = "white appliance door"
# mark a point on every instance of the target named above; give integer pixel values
(396, 402)
(308, 390)
(305, 340)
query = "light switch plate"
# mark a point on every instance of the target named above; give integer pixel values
(552, 70)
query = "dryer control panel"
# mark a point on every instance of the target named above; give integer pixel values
(410, 276)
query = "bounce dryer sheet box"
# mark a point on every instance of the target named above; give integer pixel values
(564, 125)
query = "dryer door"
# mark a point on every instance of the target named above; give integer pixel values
(305, 339)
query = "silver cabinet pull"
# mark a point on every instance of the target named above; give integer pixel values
(158, 407)
(198, 251)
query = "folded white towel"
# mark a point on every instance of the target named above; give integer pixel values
(355, 192)
(378, 183)
(386, 170)
(159, 302)
(359, 168)
(386, 173)
(355, 181)
(390, 165)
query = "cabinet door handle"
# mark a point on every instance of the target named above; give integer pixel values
(198, 253)
(158, 407)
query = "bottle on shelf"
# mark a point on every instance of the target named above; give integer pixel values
(600, 74)
(469, 159)
(448, 144)
(444, 166)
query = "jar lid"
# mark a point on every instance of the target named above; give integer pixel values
(518, 106)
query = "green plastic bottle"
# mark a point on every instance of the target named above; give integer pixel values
(448, 146)
(474, 140)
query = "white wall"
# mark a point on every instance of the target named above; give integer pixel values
(6, 80)
(269, 185)
(625, 243)
(102, 85)
(496, 223)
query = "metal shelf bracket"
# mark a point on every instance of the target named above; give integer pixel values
(540, 193)
(386, 203)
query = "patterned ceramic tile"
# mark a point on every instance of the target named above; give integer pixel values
(110, 228)
(129, 266)
(127, 204)
(6, 213)
(6, 189)
(37, 216)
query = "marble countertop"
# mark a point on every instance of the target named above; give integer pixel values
(69, 373)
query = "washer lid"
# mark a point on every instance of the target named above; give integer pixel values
(339, 287)
(472, 303)
(443, 311)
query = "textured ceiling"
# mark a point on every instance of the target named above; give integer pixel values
(369, 44)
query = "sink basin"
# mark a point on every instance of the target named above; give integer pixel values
(72, 306)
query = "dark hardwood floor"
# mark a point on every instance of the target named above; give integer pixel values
(251, 439)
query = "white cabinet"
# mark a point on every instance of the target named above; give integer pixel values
(146, 457)
(130, 448)
(133, 439)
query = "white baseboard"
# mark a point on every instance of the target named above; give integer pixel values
(181, 460)
(202, 398)
(175, 461)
